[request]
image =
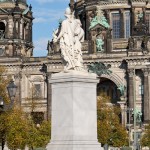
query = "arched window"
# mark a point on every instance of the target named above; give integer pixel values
(2, 30)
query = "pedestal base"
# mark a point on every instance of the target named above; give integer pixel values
(74, 112)
(74, 145)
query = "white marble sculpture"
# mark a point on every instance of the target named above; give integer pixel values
(71, 35)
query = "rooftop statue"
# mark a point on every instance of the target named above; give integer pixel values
(70, 35)
(99, 19)
(122, 89)
(99, 45)
(138, 115)
(140, 16)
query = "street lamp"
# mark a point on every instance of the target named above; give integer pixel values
(3, 107)
(12, 92)
(12, 88)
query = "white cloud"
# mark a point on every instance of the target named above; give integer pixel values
(40, 46)
(39, 20)
(45, 15)
(41, 43)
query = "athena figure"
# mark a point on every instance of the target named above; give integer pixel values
(71, 35)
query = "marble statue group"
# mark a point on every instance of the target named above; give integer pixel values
(74, 121)
(70, 35)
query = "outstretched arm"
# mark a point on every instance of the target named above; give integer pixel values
(61, 32)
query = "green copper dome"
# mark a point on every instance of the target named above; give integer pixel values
(21, 1)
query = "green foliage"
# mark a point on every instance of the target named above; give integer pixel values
(21, 131)
(17, 129)
(126, 148)
(145, 141)
(3, 85)
(39, 136)
(110, 130)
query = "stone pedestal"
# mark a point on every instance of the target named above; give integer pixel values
(74, 115)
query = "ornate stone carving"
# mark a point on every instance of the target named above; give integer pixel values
(99, 19)
(131, 43)
(139, 43)
(141, 27)
(18, 76)
(146, 71)
(99, 68)
(131, 72)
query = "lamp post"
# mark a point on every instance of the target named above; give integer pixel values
(129, 111)
(12, 88)
(3, 107)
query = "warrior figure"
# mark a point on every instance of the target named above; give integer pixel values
(71, 35)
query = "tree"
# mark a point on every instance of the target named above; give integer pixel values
(39, 136)
(110, 131)
(4, 80)
(20, 130)
(145, 141)
(17, 128)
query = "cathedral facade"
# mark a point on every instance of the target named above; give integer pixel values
(117, 34)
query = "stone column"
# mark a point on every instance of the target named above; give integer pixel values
(10, 48)
(19, 24)
(18, 79)
(108, 34)
(132, 20)
(49, 96)
(146, 104)
(74, 115)
(15, 29)
(31, 24)
(122, 23)
(21, 29)
(122, 104)
(107, 12)
(10, 27)
(131, 88)
(87, 25)
(144, 14)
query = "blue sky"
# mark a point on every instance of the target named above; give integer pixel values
(46, 14)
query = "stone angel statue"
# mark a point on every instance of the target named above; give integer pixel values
(70, 37)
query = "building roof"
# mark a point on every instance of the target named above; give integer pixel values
(13, 1)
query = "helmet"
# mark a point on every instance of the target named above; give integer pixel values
(67, 12)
